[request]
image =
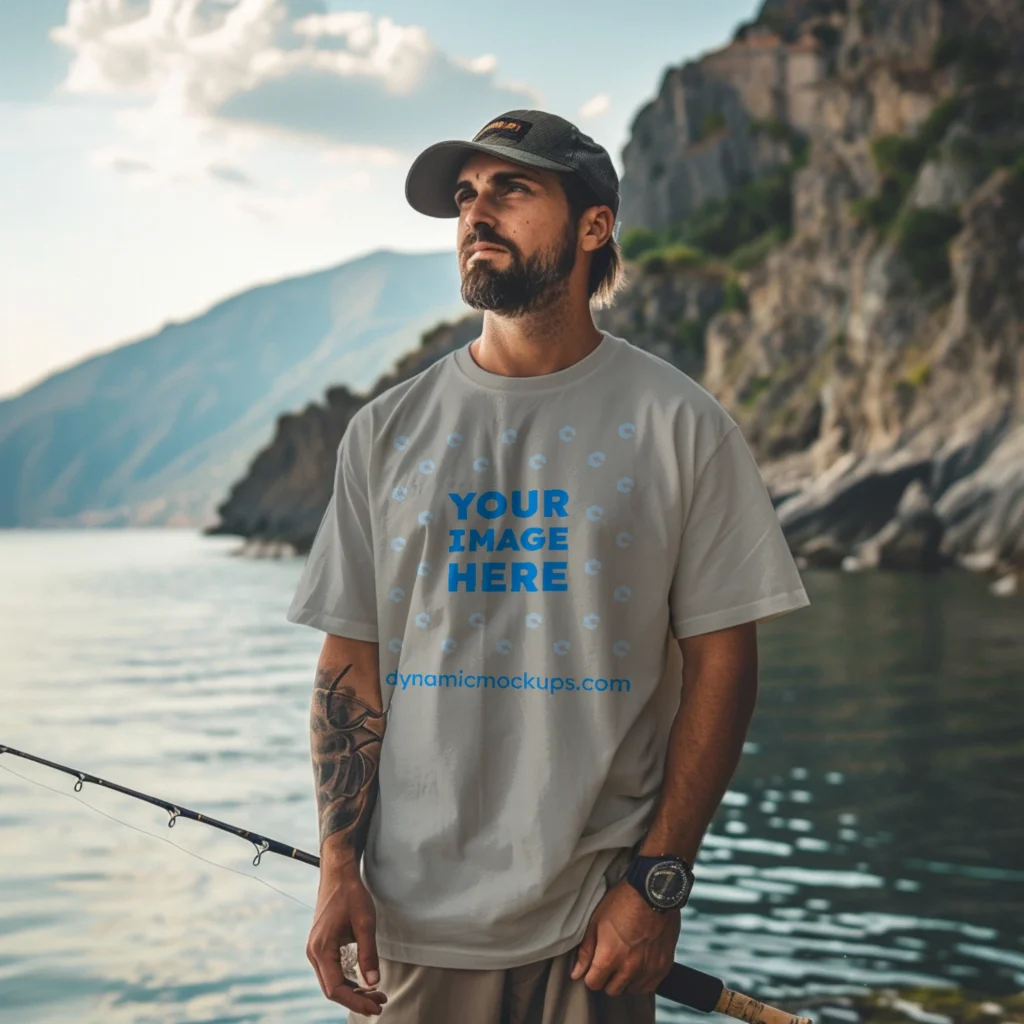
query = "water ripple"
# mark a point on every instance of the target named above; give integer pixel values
(871, 835)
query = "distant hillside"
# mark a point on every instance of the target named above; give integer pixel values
(283, 495)
(153, 432)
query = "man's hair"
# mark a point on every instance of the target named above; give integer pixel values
(607, 272)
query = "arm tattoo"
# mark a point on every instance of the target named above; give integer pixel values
(346, 735)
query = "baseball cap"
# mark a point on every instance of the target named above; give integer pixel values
(533, 138)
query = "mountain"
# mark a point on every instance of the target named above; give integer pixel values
(823, 224)
(153, 432)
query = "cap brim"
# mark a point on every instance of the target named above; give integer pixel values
(430, 183)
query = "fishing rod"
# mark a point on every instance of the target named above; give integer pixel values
(682, 984)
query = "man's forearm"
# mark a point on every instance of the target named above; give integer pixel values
(346, 731)
(718, 696)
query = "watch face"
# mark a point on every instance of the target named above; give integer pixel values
(667, 885)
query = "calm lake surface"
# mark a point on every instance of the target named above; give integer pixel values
(873, 836)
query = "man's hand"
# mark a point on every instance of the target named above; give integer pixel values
(345, 913)
(628, 945)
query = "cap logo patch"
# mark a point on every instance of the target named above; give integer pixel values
(506, 128)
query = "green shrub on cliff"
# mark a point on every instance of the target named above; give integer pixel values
(923, 236)
(977, 56)
(980, 58)
(637, 241)
(900, 156)
(918, 375)
(898, 159)
(683, 256)
(985, 155)
(753, 390)
(688, 337)
(779, 131)
(720, 226)
(740, 228)
(661, 257)
(748, 256)
(653, 261)
(879, 211)
(712, 124)
(734, 297)
(776, 130)
(990, 105)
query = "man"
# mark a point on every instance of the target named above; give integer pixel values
(540, 575)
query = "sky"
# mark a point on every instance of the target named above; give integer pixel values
(157, 156)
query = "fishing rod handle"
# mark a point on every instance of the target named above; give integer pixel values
(741, 1007)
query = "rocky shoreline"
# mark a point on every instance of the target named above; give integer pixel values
(911, 1006)
(870, 512)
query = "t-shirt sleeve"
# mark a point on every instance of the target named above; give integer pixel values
(337, 590)
(734, 564)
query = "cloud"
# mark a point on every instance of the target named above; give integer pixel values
(232, 175)
(344, 76)
(305, 205)
(595, 106)
(178, 148)
(129, 165)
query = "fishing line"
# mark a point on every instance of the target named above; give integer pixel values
(153, 835)
(682, 984)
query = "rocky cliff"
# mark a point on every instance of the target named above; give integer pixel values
(710, 128)
(878, 368)
(825, 226)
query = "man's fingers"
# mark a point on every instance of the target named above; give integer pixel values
(365, 931)
(622, 977)
(326, 961)
(328, 970)
(642, 984)
(339, 989)
(368, 1003)
(585, 954)
(602, 967)
(649, 980)
(316, 971)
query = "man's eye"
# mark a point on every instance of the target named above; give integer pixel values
(460, 197)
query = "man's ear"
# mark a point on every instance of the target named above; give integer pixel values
(598, 224)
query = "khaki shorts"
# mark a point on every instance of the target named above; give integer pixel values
(537, 993)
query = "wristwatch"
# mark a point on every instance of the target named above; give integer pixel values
(664, 882)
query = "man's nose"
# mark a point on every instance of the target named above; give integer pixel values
(479, 210)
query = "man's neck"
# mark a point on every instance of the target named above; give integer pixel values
(538, 343)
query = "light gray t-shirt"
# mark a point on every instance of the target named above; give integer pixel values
(525, 550)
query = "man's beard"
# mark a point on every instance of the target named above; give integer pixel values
(525, 285)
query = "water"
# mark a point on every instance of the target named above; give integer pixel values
(872, 836)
